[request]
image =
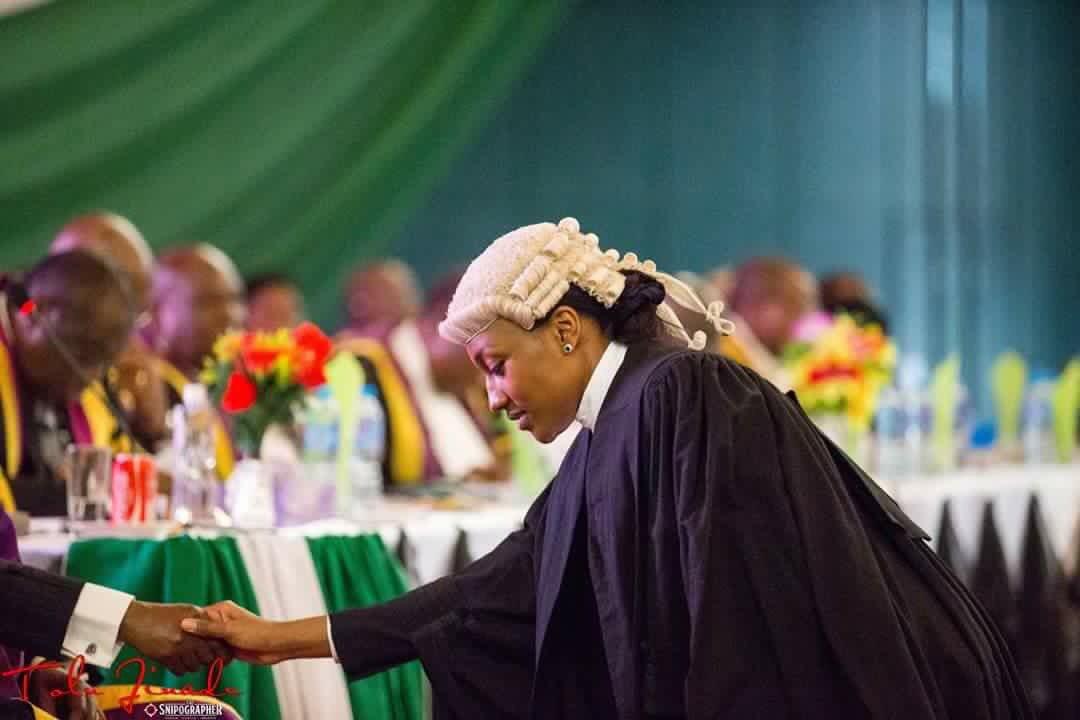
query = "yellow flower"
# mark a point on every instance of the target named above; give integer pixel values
(282, 370)
(844, 370)
(227, 346)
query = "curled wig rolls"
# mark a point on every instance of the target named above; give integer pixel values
(525, 274)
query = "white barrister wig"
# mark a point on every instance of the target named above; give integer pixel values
(524, 274)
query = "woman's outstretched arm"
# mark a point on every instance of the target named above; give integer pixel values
(495, 589)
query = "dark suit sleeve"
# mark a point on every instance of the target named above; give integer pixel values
(35, 608)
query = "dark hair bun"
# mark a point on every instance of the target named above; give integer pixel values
(641, 290)
(632, 317)
(634, 313)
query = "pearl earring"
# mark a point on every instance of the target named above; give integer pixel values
(567, 348)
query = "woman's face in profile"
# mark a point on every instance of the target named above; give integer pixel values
(527, 375)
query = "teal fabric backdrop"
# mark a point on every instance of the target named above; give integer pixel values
(294, 135)
(930, 144)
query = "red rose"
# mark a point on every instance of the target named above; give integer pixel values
(313, 349)
(239, 394)
(259, 360)
(311, 377)
(310, 339)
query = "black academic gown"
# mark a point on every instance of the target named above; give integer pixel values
(734, 564)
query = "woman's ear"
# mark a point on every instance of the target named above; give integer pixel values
(567, 326)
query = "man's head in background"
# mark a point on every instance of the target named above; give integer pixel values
(115, 238)
(848, 293)
(133, 376)
(71, 316)
(844, 287)
(273, 302)
(770, 295)
(380, 296)
(197, 296)
(451, 368)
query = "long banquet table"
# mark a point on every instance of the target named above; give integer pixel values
(330, 565)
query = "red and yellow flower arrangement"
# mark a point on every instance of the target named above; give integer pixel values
(261, 379)
(839, 367)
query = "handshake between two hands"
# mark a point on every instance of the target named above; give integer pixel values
(185, 638)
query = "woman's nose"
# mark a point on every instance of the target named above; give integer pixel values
(497, 399)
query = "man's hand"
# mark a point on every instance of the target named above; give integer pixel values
(72, 704)
(154, 630)
(259, 641)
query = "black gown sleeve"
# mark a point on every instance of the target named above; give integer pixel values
(474, 631)
(807, 591)
(35, 608)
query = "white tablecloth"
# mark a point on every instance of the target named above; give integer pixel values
(432, 536)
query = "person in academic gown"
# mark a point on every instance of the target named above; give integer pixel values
(132, 381)
(768, 299)
(703, 552)
(197, 296)
(428, 388)
(61, 327)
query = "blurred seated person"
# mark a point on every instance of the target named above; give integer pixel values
(451, 373)
(61, 327)
(379, 297)
(132, 380)
(769, 297)
(273, 302)
(842, 287)
(847, 293)
(197, 296)
(438, 425)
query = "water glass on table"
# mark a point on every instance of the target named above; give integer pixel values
(88, 473)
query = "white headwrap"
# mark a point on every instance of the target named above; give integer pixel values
(524, 274)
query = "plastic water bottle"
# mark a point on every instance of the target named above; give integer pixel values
(963, 424)
(371, 428)
(1037, 420)
(891, 426)
(321, 420)
(369, 451)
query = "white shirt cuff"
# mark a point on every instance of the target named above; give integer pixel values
(330, 639)
(94, 626)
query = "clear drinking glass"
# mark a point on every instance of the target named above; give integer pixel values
(88, 472)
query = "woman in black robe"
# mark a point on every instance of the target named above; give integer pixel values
(703, 551)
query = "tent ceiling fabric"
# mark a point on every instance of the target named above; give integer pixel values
(295, 136)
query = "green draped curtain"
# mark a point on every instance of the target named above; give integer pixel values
(296, 136)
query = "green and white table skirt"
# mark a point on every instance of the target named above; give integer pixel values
(279, 577)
